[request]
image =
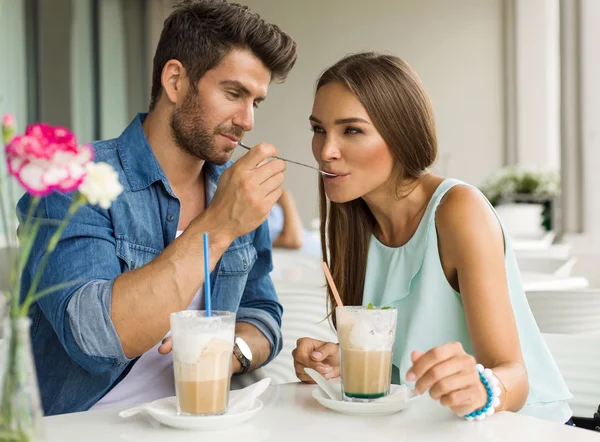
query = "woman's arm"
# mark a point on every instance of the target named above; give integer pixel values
(291, 233)
(471, 246)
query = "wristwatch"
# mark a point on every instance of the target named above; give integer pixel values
(242, 352)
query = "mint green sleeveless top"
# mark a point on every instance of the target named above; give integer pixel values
(430, 311)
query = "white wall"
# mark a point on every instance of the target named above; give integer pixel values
(82, 98)
(455, 46)
(587, 244)
(113, 74)
(13, 86)
(13, 69)
(538, 83)
(590, 102)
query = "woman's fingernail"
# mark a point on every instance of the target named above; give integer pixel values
(328, 375)
(317, 355)
(416, 392)
(410, 376)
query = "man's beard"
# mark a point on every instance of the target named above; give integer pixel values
(190, 133)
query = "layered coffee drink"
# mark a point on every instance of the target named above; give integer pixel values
(366, 338)
(202, 355)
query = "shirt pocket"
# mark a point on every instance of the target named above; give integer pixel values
(133, 255)
(238, 260)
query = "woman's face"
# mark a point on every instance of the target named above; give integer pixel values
(346, 143)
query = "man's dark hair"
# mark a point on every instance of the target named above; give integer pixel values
(199, 33)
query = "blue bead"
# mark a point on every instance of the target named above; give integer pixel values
(479, 413)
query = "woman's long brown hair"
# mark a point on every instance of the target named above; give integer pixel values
(400, 109)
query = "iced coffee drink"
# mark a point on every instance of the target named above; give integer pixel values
(366, 338)
(202, 354)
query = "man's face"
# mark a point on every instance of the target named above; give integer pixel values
(208, 124)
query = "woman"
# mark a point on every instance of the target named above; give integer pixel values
(433, 248)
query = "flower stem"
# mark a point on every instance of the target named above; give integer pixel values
(52, 243)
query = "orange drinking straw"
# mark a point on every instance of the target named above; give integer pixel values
(336, 295)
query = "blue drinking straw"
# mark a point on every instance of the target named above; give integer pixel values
(208, 307)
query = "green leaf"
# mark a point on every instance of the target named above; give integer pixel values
(370, 306)
(387, 307)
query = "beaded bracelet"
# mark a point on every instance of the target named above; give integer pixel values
(490, 382)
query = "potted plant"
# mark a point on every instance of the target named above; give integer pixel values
(526, 186)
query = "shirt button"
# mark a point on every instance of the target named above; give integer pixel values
(170, 217)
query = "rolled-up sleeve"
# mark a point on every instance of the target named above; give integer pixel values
(259, 305)
(86, 255)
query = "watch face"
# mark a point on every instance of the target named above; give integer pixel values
(244, 348)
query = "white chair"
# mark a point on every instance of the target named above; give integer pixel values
(293, 266)
(578, 358)
(558, 267)
(537, 282)
(304, 315)
(566, 312)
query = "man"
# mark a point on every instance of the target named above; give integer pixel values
(98, 343)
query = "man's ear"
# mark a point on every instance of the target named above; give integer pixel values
(173, 80)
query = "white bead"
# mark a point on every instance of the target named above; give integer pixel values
(493, 381)
(490, 411)
(469, 418)
(479, 368)
(488, 373)
(496, 391)
(495, 402)
(480, 417)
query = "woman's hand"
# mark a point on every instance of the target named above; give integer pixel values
(449, 374)
(321, 356)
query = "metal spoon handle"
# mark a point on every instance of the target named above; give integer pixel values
(293, 162)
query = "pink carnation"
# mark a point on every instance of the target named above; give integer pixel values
(8, 120)
(46, 159)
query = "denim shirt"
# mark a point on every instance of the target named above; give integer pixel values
(77, 351)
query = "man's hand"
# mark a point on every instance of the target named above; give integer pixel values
(247, 191)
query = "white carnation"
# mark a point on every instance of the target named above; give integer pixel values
(101, 185)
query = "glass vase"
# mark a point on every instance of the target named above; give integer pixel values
(21, 417)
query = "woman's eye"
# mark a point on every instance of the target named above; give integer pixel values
(352, 131)
(234, 95)
(317, 129)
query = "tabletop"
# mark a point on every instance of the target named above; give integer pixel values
(291, 414)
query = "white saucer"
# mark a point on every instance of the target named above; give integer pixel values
(399, 399)
(165, 411)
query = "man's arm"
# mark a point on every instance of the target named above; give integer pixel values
(79, 314)
(259, 314)
(143, 299)
(110, 318)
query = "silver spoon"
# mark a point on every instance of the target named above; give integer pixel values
(295, 162)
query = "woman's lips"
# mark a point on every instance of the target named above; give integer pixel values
(338, 179)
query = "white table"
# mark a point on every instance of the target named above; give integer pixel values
(292, 415)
